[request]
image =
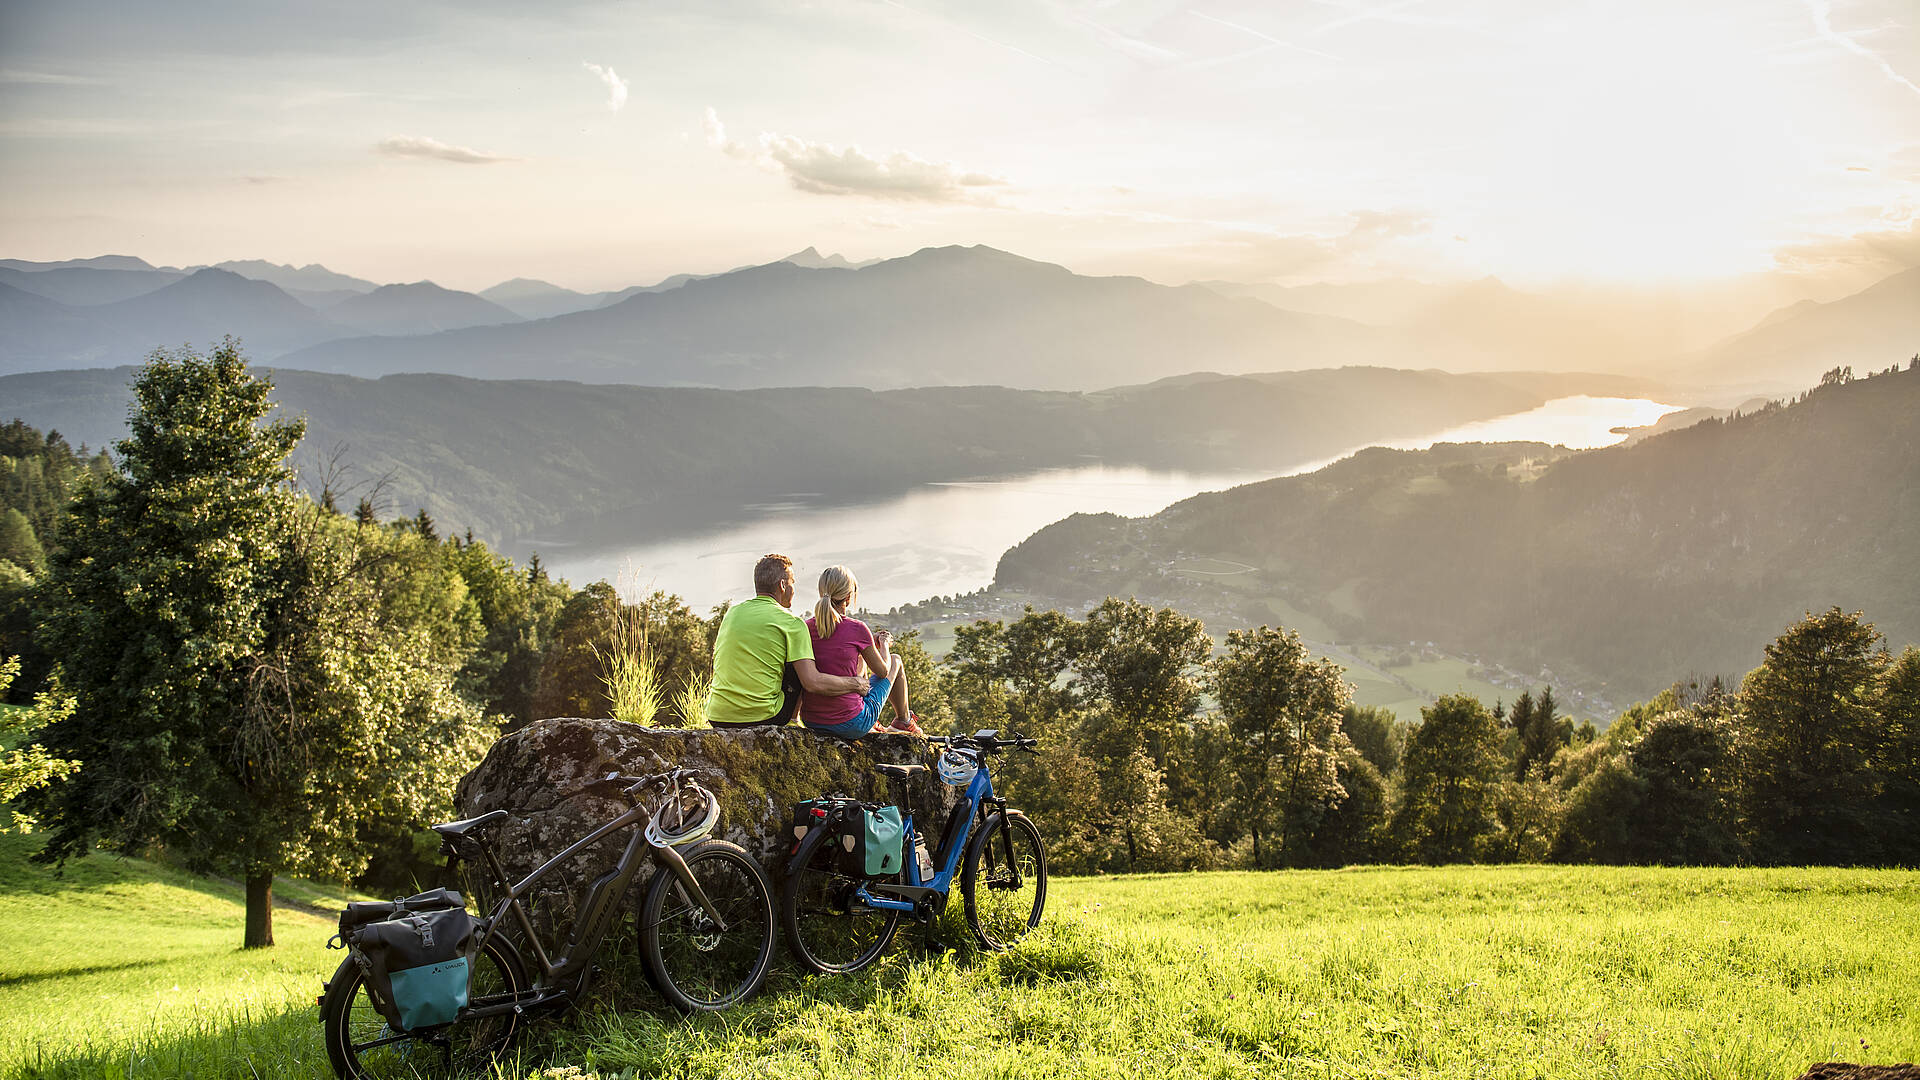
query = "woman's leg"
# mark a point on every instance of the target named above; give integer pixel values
(898, 694)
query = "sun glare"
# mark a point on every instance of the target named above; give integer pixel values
(1643, 152)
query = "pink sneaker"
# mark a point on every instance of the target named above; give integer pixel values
(910, 726)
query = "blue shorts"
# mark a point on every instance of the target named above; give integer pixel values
(856, 726)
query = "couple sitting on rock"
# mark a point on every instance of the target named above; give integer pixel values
(767, 662)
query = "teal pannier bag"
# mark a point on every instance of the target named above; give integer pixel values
(416, 963)
(872, 842)
(430, 995)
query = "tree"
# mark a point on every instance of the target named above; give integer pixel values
(257, 683)
(1376, 734)
(25, 766)
(1811, 726)
(1684, 815)
(1899, 757)
(1452, 764)
(1542, 733)
(1284, 709)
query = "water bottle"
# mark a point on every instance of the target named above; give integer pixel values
(925, 860)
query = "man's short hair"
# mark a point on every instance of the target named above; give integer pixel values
(770, 572)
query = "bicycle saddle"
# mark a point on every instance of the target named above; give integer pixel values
(462, 828)
(899, 771)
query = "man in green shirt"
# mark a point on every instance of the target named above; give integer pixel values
(763, 656)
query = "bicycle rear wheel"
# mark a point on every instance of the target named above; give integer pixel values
(1005, 881)
(361, 1045)
(694, 964)
(828, 930)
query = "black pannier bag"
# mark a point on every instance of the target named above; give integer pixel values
(869, 839)
(414, 955)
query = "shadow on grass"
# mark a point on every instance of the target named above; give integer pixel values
(90, 969)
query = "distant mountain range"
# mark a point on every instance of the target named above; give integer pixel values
(939, 316)
(1868, 331)
(514, 460)
(1630, 567)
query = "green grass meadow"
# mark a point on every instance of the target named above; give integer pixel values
(122, 969)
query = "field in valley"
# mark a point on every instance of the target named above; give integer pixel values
(124, 969)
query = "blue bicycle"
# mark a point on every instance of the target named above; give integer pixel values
(839, 918)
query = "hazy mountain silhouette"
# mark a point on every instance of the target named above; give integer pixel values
(1870, 330)
(418, 308)
(83, 285)
(200, 308)
(531, 298)
(940, 316)
(1376, 303)
(98, 262)
(312, 277)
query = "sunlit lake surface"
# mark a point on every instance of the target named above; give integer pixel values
(947, 538)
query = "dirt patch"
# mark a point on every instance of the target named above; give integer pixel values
(1840, 1070)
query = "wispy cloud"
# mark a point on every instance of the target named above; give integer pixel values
(416, 146)
(1271, 41)
(824, 169)
(1822, 21)
(616, 86)
(16, 77)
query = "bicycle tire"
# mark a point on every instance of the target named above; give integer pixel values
(362, 1046)
(1000, 915)
(823, 934)
(694, 967)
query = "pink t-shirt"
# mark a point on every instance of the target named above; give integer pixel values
(837, 655)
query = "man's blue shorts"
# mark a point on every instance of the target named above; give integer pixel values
(857, 726)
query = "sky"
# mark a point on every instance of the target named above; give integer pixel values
(1616, 144)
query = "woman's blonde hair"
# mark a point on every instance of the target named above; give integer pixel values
(836, 586)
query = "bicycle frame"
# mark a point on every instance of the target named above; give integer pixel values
(905, 898)
(597, 914)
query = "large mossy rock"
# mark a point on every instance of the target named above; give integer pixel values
(550, 777)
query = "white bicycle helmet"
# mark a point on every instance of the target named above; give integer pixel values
(957, 767)
(687, 817)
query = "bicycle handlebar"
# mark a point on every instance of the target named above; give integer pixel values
(987, 741)
(662, 780)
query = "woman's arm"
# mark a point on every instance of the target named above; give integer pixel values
(876, 661)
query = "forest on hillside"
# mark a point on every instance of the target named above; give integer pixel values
(1609, 566)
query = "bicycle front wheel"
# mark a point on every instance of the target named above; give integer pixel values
(828, 929)
(696, 965)
(361, 1045)
(1005, 881)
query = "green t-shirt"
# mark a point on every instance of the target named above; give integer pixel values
(758, 638)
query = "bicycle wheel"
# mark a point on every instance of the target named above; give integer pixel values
(1005, 880)
(362, 1046)
(695, 965)
(828, 930)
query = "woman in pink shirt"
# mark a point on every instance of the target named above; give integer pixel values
(839, 645)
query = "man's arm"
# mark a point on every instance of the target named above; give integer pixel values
(814, 681)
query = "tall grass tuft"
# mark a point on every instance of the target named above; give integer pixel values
(690, 699)
(626, 667)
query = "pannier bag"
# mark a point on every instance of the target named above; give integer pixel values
(870, 846)
(870, 840)
(415, 960)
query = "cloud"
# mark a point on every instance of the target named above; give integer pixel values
(1876, 251)
(616, 86)
(16, 77)
(421, 147)
(1822, 12)
(823, 169)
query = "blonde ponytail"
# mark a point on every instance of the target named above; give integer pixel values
(836, 586)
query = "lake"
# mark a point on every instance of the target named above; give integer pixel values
(947, 538)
